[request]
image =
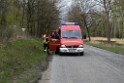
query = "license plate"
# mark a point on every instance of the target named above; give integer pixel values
(72, 50)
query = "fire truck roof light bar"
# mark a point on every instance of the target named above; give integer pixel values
(69, 23)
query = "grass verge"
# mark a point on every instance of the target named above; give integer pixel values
(112, 46)
(20, 61)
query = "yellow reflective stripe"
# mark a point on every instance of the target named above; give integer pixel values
(44, 38)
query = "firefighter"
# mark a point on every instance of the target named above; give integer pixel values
(45, 42)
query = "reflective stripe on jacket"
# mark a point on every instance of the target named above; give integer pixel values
(45, 39)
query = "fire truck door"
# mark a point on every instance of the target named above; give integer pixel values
(53, 41)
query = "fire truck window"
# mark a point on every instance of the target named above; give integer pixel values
(71, 34)
(54, 35)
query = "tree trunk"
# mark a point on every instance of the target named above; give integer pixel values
(108, 26)
(88, 33)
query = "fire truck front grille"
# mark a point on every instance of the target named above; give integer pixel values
(71, 46)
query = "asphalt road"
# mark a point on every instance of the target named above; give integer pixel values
(96, 66)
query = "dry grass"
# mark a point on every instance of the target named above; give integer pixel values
(119, 41)
(116, 45)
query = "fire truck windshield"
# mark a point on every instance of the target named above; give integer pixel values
(71, 34)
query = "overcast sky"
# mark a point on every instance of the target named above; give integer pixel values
(66, 5)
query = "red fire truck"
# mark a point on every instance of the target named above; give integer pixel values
(66, 39)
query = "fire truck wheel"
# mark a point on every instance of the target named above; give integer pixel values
(57, 50)
(82, 53)
(60, 53)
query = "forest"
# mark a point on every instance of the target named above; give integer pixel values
(98, 18)
(37, 16)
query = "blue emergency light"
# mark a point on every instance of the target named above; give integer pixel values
(76, 23)
(69, 23)
(63, 23)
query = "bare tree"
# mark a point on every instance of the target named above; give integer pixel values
(86, 6)
(102, 18)
(41, 15)
(106, 5)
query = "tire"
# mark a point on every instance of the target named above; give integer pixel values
(82, 53)
(57, 50)
(60, 53)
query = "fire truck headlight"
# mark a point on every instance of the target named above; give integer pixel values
(63, 46)
(80, 46)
